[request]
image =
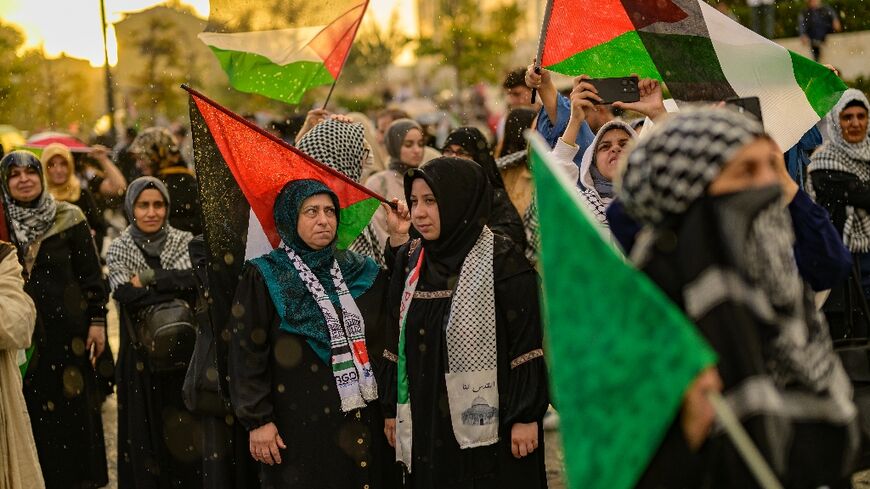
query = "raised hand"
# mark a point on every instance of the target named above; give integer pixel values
(651, 103)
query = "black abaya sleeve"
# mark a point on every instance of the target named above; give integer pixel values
(517, 300)
(88, 271)
(250, 350)
(167, 281)
(387, 372)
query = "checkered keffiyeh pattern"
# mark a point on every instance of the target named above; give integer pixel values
(671, 169)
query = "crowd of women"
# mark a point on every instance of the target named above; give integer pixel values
(423, 342)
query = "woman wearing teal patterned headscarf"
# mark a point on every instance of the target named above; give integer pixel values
(306, 317)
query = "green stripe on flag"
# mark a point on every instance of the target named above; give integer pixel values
(354, 218)
(620, 366)
(253, 73)
(822, 87)
(621, 56)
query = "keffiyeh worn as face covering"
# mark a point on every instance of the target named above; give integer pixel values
(298, 277)
(854, 158)
(668, 171)
(30, 220)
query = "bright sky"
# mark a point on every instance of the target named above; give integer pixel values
(73, 26)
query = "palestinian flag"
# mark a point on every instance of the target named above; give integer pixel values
(623, 363)
(241, 169)
(282, 49)
(700, 53)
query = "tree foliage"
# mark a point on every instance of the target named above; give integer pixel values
(38, 93)
(473, 42)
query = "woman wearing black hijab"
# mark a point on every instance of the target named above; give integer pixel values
(465, 347)
(468, 143)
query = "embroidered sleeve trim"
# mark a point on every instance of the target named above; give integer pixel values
(526, 357)
(391, 356)
(437, 294)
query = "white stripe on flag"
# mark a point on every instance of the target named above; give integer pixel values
(258, 244)
(281, 46)
(758, 67)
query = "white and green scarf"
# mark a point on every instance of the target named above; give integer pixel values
(472, 355)
(353, 373)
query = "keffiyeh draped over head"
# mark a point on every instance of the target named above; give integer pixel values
(730, 264)
(71, 190)
(30, 220)
(302, 282)
(672, 168)
(395, 138)
(854, 158)
(342, 147)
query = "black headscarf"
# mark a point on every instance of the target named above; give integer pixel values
(474, 143)
(464, 198)
(518, 121)
(504, 219)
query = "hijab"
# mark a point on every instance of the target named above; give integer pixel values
(160, 148)
(837, 154)
(517, 123)
(30, 220)
(474, 143)
(395, 138)
(859, 152)
(464, 198)
(71, 190)
(296, 307)
(151, 244)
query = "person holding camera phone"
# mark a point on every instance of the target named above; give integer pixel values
(149, 265)
(65, 281)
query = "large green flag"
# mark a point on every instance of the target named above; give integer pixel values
(621, 354)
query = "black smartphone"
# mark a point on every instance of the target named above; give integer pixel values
(747, 106)
(622, 89)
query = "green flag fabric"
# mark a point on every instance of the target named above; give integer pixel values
(621, 353)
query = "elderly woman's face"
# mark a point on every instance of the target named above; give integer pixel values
(424, 210)
(853, 123)
(754, 166)
(317, 221)
(149, 211)
(24, 183)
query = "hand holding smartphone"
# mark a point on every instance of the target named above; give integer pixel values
(621, 89)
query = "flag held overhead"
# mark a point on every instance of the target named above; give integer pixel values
(262, 165)
(654, 40)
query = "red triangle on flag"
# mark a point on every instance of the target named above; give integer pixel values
(263, 164)
(334, 41)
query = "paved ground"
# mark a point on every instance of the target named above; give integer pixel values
(554, 457)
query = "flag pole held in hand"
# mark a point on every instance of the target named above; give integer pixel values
(541, 40)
